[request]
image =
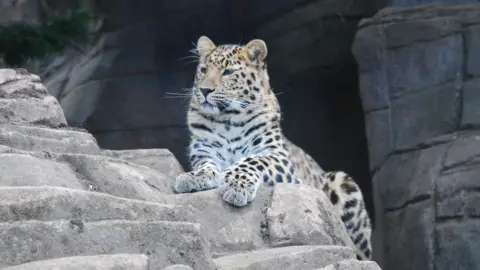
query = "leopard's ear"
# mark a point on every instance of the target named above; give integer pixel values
(205, 46)
(256, 50)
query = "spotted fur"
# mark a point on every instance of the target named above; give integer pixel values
(237, 142)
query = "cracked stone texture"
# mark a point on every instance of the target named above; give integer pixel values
(417, 69)
(285, 258)
(177, 267)
(25, 100)
(100, 262)
(351, 265)
(65, 201)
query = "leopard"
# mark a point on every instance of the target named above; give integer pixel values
(237, 144)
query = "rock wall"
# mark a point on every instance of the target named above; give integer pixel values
(419, 81)
(67, 203)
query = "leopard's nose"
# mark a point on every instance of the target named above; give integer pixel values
(206, 91)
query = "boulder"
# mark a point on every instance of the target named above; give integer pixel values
(25, 100)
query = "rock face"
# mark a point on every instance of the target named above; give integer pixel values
(419, 70)
(68, 204)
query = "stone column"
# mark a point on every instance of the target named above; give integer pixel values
(419, 72)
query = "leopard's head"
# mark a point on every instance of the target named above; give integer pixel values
(230, 77)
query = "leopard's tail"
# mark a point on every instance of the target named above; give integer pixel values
(347, 199)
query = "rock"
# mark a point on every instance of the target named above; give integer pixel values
(458, 243)
(421, 116)
(40, 172)
(32, 138)
(164, 242)
(161, 160)
(24, 100)
(285, 258)
(178, 267)
(411, 246)
(409, 177)
(442, 62)
(458, 195)
(472, 38)
(118, 177)
(98, 262)
(465, 151)
(229, 229)
(281, 216)
(351, 265)
(457, 187)
(299, 215)
(53, 203)
(380, 143)
(471, 104)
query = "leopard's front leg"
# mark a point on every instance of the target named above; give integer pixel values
(240, 182)
(204, 175)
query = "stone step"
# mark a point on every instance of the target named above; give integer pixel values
(165, 243)
(352, 265)
(79, 171)
(34, 138)
(285, 258)
(119, 177)
(27, 170)
(54, 203)
(177, 267)
(98, 262)
(161, 160)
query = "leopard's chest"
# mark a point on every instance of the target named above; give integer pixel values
(230, 146)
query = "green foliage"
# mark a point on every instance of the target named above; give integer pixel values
(22, 42)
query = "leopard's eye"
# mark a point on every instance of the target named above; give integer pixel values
(227, 72)
(203, 70)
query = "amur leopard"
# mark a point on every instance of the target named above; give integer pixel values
(237, 142)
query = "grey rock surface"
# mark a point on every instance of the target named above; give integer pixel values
(47, 203)
(418, 69)
(35, 138)
(166, 164)
(40, 172)
(97, 262)
(66, 203)
(25, 100)
(164, 242)
(311, 220)
(285, 258)
(351, 265)
(177, 267)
